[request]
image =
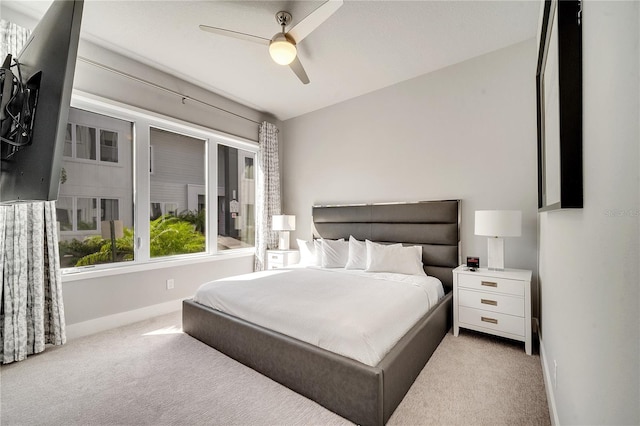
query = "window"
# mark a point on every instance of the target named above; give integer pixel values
(81, 143)
(64, 213)
(159, 209)
(86, 213)
(86, 217)
(109, 210)
(68, 142)
(248, 168)
(236, 198)
(96, 195)
(85, 142)
(173, 186)
(177, 224)
(108, 146)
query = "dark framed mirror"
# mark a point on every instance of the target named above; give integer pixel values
(559, 101)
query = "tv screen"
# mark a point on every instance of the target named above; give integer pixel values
(30, 167)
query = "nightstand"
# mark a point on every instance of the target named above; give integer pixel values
(494, 302)
(282, 258)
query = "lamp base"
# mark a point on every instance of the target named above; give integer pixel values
(283, 243)
(495, 254)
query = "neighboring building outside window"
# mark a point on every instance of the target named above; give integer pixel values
(150, 159)
(81, 143)
(96, 188)
(85, 142)
(109, 209)
(108, 146)
(236, 198)
(176, 218)
(163, 208)
(64, 213)
(68, 142)
(78, 214)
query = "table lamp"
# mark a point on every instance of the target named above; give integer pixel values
(497, 224)
(283, 223)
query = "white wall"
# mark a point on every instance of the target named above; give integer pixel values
(589, 257)
(98, 81)
(87, 298)
(466, 132)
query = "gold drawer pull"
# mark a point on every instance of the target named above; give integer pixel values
(489, 302)
(487, 319)
(489, 284)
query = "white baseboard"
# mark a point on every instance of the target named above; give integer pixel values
(97, 325)
(548, 385)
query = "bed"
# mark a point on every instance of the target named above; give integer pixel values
(361, 393)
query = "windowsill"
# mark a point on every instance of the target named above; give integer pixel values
(92, 162)
(89, 272)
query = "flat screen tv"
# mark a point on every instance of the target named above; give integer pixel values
(32, 158)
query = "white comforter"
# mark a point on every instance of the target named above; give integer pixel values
(360, 315)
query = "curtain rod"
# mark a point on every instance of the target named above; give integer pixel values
(157, 86)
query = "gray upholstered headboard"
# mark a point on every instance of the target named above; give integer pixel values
(432, 224)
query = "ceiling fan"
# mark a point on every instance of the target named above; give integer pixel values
(282, 46)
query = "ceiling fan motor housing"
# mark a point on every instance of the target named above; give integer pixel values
(283, 19)
(282, 47)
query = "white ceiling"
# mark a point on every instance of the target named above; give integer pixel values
(364, 46)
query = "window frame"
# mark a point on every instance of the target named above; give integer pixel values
(142, 122)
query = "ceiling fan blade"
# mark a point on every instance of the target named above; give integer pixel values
(298, 69)
(314, 19)
(235, 34)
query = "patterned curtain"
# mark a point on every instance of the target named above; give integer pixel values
(268, 192)
(12, 38)
(32, 312)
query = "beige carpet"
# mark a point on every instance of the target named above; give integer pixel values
(151, 373)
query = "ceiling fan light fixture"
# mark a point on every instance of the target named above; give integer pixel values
(282, 49)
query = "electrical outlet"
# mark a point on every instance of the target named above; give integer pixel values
(555, 374)
(170, 284)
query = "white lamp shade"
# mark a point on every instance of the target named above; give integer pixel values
(283, 222)
(498, 223)
(282, 50)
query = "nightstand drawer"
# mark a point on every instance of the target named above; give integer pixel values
(281, 258)
(492, 320)
(493, 302)
(275, 262)
(276, 257)
(492, 284)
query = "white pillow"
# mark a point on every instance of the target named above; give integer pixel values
(334, 253)
(308, 253)
(394, 258)
(357, 254)
(317, 246)
(375, 252)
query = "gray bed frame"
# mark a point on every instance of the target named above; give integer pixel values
(363, 394)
